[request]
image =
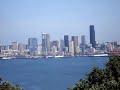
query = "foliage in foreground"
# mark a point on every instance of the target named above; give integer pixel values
(8, 86)
(102, 79)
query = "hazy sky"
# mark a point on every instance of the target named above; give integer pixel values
(21, 19)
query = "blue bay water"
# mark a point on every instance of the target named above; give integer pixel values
(50, 73)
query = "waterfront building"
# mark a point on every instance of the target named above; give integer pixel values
(103, 46)
(92, 36)
(110, 47)
(92, 50)
(83, 44)
(4, 50)
(76, 44)
(32, 46)
(45, 44)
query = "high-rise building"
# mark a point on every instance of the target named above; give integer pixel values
(61, 45)
(71, 47)
(66, 40)
(14, 46)
(92, 36)
(32, 45)
(45, 43)
(83, 43)
(55, 43)
(76, 44)
(22, 48)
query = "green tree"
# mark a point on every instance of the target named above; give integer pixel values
(8, 86)
(102, 79)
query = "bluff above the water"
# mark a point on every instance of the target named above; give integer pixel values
(102, 79)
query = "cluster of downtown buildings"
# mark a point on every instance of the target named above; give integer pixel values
(64, 47)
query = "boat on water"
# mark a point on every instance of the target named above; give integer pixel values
(6, 58)
(59, 56)
(99, 55)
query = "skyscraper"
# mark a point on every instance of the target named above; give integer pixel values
(14, 46)
(83, 43)
(22, 48)
(54, 43)
(66, 40)
(92, 36)
(61, 45)
(45, 43)
(76, 44)
(71, 47)
(32, 45)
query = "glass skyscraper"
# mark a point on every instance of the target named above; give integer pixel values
(45, 44)
(32, 45)
(66, 40)
(92, 36)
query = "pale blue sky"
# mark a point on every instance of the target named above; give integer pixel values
(21, 19)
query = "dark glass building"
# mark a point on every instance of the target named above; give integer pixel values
(92, 36)
(32, 45)
(66, 40)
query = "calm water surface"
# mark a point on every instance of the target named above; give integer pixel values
(48, 74)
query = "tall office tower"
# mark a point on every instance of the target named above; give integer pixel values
(92, 36)
(61, 45)
(32, 46)
(66, 40)
(45, 43)
(76, 44)
(14, 46)
(83, 44)
(22, 49)
(71, 47)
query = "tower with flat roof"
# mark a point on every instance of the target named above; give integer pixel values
(45, 43)
(92, 36)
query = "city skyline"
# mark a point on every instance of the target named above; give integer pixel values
(39, 40)
(69, 46)
(24, 19)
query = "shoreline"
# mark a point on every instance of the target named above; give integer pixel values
(38, 57)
